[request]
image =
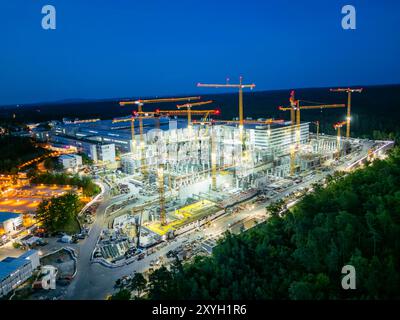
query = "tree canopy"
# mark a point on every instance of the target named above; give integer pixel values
(355, 221)
(60, 213)
(86, 183)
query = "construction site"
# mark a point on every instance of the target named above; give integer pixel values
(185, 176)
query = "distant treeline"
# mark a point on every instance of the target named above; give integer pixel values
(354, 221)
(377, 108)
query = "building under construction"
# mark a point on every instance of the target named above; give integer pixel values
(190, 171)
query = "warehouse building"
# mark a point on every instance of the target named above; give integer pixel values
(15, 271)
(10, 221)
(277, 139)
(70, 161)
(97, 151)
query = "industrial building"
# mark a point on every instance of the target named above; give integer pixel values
(15, 271)
(10, 221)
(180, 163)
(277, 139)
(97, 151)
(70, 161)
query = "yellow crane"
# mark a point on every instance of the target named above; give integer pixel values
(161, 191)
(239, 86)
(161, 166)
(267, 122)
(189, 106)
(317, 125)
(338, 126)
(140, 103)
(205, 114)
(348, 118)
(213, 159)
(294, 109)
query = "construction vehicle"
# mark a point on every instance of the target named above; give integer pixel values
(348, 118)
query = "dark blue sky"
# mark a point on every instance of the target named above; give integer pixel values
(120, 48)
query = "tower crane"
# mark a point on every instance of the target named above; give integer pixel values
(189, 106)
(140, 103)
(338, 126)
(161, 191)
(239, 86)
(348, 118)
(265, 122)
(317, 125)
(204, 113)
(294, 109)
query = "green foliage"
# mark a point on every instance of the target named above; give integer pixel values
(60, 213)
(15, 151)
(354, 220)
(123, 294)
(16, 245)
(52, 164)
(85, 159)
(138, 283)
(89, 187)
(275, 208)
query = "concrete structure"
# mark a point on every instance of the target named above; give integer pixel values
(70, 161)
(105, 152)
(97, 151)
(15, 271)
(10, 221)
(277, 139)
(41, 134)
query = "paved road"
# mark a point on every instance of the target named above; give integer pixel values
(95, 282)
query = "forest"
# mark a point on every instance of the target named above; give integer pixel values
(15, 151)
(354, 220)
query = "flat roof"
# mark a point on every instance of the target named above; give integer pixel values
(69, 156)
(4, 216)
(10, 264)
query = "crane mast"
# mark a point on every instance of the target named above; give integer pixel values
(239, 86)
(348, 117)
(189, 106)
(338, 126)
(140, 103)
(295, 115)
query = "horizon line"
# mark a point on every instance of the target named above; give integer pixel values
(87, 100)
